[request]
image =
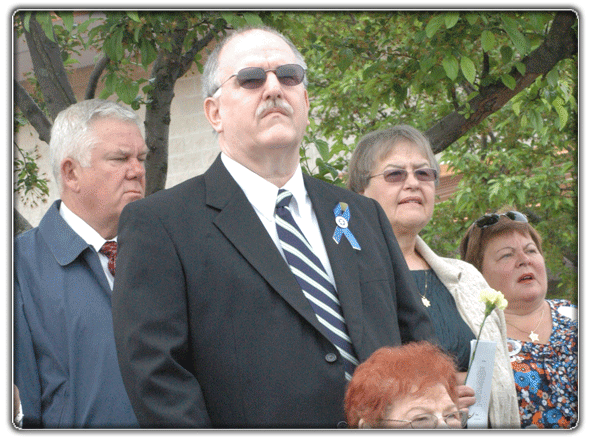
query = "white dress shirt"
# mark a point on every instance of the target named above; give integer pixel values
(262, 194)
(89, 235)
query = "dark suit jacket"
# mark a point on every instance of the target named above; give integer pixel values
(211, 326)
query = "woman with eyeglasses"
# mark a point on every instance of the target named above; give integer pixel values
(407, 387)
(542, 334)
(397, 168)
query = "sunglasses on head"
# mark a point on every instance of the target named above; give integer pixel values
(400, 175)
(487, 220)
(255, 77)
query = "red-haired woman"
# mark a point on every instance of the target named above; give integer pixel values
(412, 386)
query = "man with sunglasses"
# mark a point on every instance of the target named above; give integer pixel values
(220, 319)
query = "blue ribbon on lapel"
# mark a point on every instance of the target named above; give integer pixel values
(342, 215)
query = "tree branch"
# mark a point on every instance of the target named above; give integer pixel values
(49, 69)
(188, 58)
(32, 112)
(561, 43)
(95, 76)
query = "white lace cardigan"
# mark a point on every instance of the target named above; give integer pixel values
(465, 283)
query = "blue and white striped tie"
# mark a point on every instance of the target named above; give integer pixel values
(314, 281)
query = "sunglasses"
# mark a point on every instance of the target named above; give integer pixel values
(400, 175)
(487, 220)
(255, 77)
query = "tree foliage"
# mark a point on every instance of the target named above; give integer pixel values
(496, 92)
(165, 45)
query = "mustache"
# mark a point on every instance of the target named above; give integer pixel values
(272, 104)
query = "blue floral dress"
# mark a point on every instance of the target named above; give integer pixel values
(546, 375)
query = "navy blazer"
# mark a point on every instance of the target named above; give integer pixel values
(65, 363)
(212, 329)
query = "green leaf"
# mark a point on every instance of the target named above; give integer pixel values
(134, 16)
(127, 91)
(236, 21)
(493, 191)
(537, 121)
(346, 59)
(509, 81)
(516, 36)
(253, 19)
(323, 148)
(105, 94)
(46, 22)
(516, 105)
(113, 45)
(148, 52)
(561, 111)
(451, 67)
(434, 25)
(27, 21)
(451, 19)
(426, 64)
(468, 69)
(488, 41)
(552, 77)
(472, 18)
(71, 61)
(67, 18)
(507, 54)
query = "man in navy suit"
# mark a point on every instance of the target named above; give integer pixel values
(65, 362)
(212, 327)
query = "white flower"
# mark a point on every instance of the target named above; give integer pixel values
(492, 299)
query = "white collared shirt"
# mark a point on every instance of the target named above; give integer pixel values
(89, 235)
(262, 194)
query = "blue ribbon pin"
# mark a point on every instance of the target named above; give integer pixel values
(342, 215)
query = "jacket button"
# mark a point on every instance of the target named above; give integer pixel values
(331, 357)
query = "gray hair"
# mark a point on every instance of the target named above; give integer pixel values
(376, 145)
(210, 78)
(72, 135)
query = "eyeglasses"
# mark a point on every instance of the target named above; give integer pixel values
(487, 220)
(255, 77)
(455, 420)
(400, 175)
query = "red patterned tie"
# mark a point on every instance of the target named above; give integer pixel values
(110, 250)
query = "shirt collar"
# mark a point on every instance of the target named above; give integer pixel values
(261, 193)
(80, 227)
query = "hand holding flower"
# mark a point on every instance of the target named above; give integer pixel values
(466, 394)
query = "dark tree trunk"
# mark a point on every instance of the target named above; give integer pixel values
(49, 70)
(168, 67)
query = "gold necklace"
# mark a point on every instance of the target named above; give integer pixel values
(533, 335)
(425, 301)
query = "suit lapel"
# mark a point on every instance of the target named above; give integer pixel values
(343, 258)
(67, 246)
(240, 224)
